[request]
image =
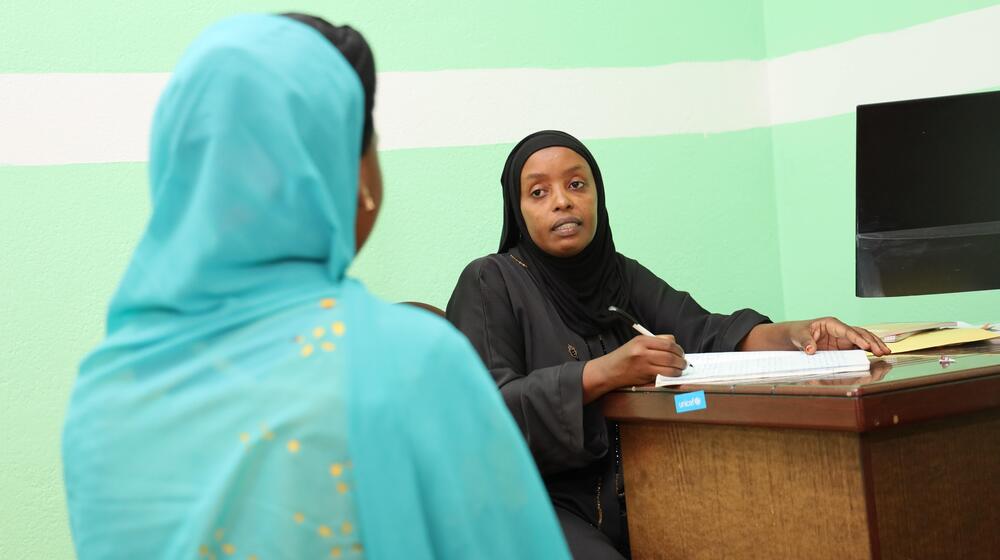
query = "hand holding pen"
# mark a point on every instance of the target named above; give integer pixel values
(637, 362)
(638, 327)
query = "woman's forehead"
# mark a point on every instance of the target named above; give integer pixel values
(553, 161)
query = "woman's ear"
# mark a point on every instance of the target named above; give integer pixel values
(369, 196)
(366, 202)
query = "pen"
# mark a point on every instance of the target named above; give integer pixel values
(635, 324)
(631, 319)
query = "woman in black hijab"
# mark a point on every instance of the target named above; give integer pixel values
(537, 313)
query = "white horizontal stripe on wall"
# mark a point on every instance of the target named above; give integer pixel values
(958, 54)
(472, 107)
(83, 118)
(51, 119)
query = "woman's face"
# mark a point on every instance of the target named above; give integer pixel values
(559, 201)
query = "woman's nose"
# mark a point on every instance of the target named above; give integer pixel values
(560, 200)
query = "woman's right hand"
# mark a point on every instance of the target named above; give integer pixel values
(637, 362)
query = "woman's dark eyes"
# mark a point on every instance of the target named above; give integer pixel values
(573, 185)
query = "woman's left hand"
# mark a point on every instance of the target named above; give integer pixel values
(829, 333)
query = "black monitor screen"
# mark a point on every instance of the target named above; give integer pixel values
(928, 195)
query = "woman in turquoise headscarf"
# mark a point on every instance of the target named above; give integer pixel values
(250, 400)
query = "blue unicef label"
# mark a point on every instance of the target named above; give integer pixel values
(686, 402)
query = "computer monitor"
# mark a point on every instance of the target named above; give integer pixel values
(928, 196)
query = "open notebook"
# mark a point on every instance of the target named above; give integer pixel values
(766, 367)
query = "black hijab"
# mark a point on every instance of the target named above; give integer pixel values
(582, 286)
(355, 49)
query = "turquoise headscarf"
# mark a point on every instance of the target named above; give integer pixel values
(250, 400)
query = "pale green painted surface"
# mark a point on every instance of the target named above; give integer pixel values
(126, 36)
(796, 25)
(65, 236)
(120, 36)
(697, 210)
(814, 172)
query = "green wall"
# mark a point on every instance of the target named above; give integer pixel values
(671, 205)
(814, 181)
(814, 174)
(759, 218)
(795, 25)
(123, 36)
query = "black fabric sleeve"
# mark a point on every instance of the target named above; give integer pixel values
(547, 403)
(669, 311)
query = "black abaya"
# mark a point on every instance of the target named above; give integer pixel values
(537, 362)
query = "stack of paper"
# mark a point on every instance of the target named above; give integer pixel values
(895, 332)
(766, 367)
(991, 326)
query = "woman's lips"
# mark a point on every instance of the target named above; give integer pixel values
(567, 227)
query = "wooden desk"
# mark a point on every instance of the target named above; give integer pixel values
(902, 463)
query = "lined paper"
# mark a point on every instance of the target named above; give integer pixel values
(750, 367)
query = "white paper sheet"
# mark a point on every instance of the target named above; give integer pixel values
(749, 367)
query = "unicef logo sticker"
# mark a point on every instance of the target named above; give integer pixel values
(687, 402)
